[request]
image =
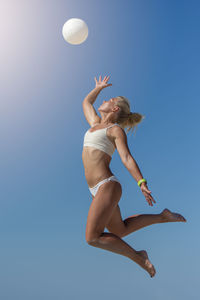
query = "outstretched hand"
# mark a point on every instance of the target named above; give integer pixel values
(147, 193)
(102, 83)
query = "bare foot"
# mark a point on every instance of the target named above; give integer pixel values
(169, 216)
(145, 263)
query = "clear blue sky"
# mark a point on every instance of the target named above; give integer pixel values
(150, 48)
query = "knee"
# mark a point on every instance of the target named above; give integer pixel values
(91, 241)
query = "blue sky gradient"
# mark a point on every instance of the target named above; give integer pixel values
(150, 48)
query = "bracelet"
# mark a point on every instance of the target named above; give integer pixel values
(141, 180)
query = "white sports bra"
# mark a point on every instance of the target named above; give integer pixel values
(98, 139)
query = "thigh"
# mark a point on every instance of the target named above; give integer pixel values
(116, 224)
(101, 208)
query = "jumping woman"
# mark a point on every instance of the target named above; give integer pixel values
(107, 134)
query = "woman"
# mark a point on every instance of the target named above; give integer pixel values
(106, 135)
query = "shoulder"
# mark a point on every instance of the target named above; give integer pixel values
(118, 130)
(90, 113)
(118, 133)
(96, 122)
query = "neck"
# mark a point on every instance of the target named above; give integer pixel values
(107, 119)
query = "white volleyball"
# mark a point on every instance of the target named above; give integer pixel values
(75, 31)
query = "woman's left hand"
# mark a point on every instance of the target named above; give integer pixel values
(102, 83)
(147, 193)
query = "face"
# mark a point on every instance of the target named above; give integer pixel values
(107, 106)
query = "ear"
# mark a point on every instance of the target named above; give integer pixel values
(116, 108)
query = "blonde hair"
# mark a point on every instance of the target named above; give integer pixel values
(126, 118)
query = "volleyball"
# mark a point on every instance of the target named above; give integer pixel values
(75, 31)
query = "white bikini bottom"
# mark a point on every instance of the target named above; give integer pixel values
(95, 188)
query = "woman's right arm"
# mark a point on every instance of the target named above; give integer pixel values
(91, 97)
(100, 85)
(134, 170)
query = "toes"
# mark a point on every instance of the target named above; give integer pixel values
(173, 216)
(181, 218)
(153, 271)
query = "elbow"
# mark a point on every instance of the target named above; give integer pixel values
(86, 101)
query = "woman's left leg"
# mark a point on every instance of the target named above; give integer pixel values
(99, 214)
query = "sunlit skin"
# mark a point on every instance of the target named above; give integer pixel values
(104, 211)
(108, 111)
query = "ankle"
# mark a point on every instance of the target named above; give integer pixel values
(163, 219)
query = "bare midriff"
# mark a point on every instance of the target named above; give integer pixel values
(96, 162)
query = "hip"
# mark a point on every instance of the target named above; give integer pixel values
(94, 177)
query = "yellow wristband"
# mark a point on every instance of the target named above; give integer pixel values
(141, 180)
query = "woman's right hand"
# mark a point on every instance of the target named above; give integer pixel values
(147, 193)
(102, 83)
